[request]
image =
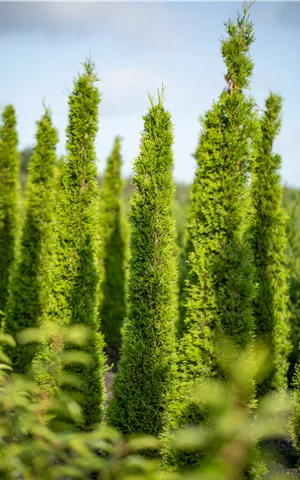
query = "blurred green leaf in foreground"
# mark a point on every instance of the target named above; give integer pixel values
(30, 449)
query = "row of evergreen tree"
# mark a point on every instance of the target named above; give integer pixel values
(65, 263)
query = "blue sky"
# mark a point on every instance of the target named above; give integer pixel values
(136, 47)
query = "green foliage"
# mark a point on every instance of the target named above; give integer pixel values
(180, 208)
(75, 278)
(113, 257)
(219, 287)
(269, 246)
(68, 281)
(30, 449)
(220, 283)
(228, 442)
(9, 197)
(291, 200)
(30, 277)
(144, 385)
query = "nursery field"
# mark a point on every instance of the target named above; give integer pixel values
(150, 329)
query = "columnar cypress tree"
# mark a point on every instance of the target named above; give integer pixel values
(28, 283)
(220, 284)
(9, 197)
(269, 246)
(113, 254)
(219, 287)
(74, 289)
(144, 385)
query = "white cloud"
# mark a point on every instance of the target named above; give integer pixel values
(146, 22)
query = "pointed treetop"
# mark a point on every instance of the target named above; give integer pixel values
(151, 100)
(89, 71)
(247, 6)
(118, 139)
(160, 97)
(235, 50)
(89, 65)
(47, 109)
(271, 119)
(9, 111)
(274, 101)
(161, 94)
(115, 157)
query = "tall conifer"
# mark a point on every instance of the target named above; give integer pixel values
(113, 234)
(220, 282)
(219, 286)
(9, 198)
(144, 385)
(269, 246)
(74, 289)
(28, 283)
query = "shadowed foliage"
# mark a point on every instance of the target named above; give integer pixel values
(113, 233)
(269, 243)
(9, 198)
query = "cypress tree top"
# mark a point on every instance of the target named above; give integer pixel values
(9, 197)
(144, 385)
(112, 179)
(269, 245)
(28, 283)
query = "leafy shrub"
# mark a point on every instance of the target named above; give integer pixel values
(31, 450)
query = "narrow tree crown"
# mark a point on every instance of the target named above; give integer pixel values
(235, 51)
